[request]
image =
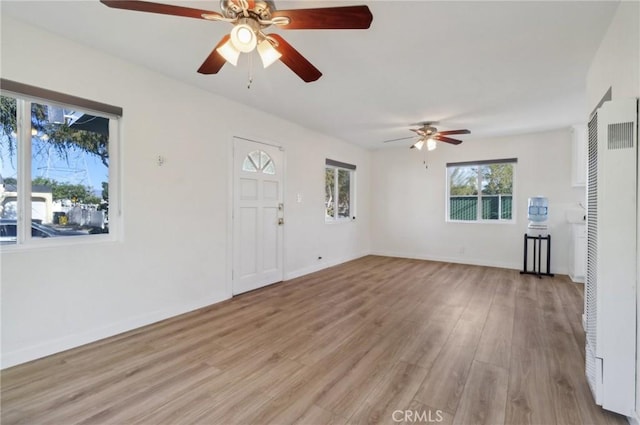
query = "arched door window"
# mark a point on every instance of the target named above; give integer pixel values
(259, 162)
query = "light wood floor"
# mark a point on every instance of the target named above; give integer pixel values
(351, 344)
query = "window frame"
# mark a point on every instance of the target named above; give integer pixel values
(479, 164)
(337, 166)
(26, 96)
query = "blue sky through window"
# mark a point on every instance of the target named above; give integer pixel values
(78, 167)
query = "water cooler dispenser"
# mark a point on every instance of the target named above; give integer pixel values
(538, 215)
(538, 235)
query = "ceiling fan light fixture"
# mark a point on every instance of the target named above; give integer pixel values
(229, 53)
(250, 18)
(268, 53)
(419, 144)
(431, 144)
(244, 38)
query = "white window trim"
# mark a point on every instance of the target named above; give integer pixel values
(479, 196)
(352, 186)
(24, 241)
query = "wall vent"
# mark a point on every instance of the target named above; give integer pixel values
(620, 136)
(591, 287)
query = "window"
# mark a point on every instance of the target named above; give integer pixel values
(258, 161)
(339, 183)
(56, 166)
(481, 190)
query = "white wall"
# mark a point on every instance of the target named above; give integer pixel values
(617, 65)
(617, 61)
(408, 201)
(174, 255)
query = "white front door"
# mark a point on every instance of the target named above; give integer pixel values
(258, 215)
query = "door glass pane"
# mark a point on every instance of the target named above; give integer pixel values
(259, 161)
(70, 172)
(269, 168)
(255, 157)
(344, 193)
(249, 166)
(264, 158)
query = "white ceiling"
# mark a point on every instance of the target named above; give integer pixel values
(496, 68)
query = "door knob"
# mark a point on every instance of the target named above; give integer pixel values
(280, 221)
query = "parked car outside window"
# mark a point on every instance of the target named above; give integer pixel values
(9, 231)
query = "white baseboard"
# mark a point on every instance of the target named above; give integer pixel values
(576, 279)
(320, 265)
(460, 260)
(471, 261)
(58, 345)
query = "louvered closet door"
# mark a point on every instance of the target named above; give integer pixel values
(591, 283)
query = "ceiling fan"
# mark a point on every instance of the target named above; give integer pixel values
(429, 135)
(249, 19)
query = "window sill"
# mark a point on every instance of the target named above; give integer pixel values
(62, 242)
(338, 221)
(482, 221)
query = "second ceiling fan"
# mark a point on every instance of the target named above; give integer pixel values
(249, 19)
(428, 135)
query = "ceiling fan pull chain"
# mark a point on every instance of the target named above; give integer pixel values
(250, 76)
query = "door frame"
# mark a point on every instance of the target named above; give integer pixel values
(230, 204)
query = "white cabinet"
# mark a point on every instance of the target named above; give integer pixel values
(578, 259)
(579, 155)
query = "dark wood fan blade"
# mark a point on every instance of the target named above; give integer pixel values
(346, 17)
(214, 62)
(295, 61)
(447, 140)
(445, 133)
(397, 140)
(164, 9)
